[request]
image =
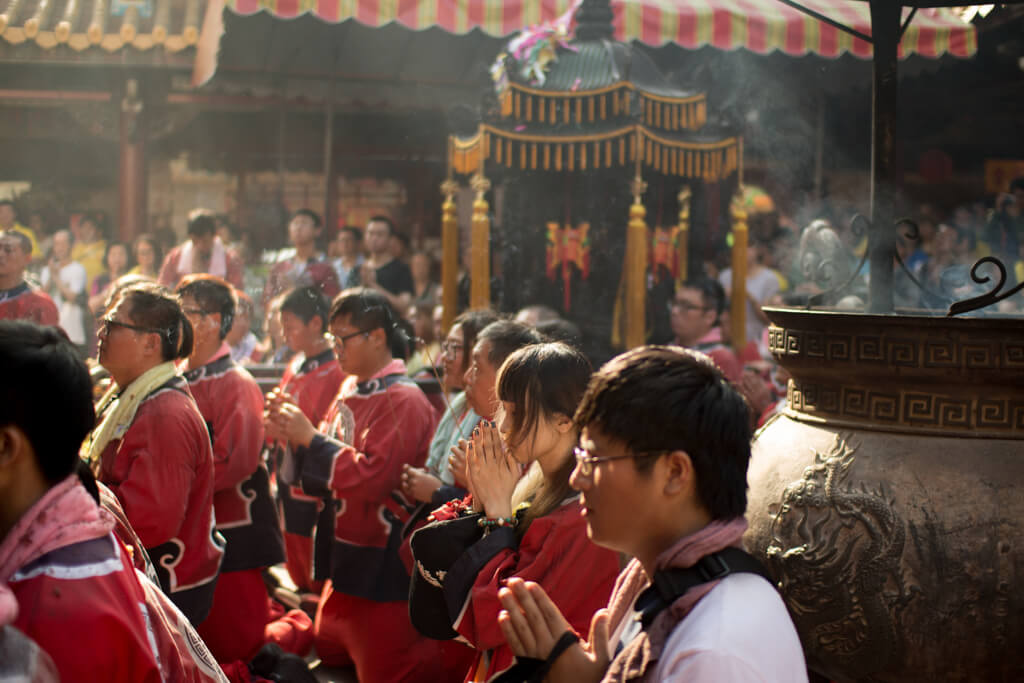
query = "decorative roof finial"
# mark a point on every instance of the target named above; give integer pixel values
(594, 20)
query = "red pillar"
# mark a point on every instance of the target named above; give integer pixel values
(133, 174)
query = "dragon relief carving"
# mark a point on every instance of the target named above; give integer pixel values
(836, 549)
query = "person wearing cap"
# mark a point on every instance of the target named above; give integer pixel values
(151, 445)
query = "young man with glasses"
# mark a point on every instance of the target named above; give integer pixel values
(662, 473)
(694, 314)
(232, 405)
(311, 382)
(18, 299)
(380, 422)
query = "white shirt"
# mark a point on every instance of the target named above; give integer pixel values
(73, 277)
(740, 631)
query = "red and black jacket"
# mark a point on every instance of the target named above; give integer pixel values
(232, 404)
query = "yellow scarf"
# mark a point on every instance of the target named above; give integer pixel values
(117, 409)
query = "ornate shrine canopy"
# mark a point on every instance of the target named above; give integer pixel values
(761, 26)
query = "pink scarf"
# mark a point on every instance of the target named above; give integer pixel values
(637, 656)
(65, 514)
(218, 259)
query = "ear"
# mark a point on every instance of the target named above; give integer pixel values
(563, 423)
(153, 343)
(13, 446)
(215, 320)
(678, 473)
(379, 338)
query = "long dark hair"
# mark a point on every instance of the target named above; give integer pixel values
(152, 306)
(542, 380)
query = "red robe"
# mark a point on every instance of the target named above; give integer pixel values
(81, 600)
(556, 553)
(313, 383)
(25, 302)
(232, 404)
(378, 426)
(162, 472)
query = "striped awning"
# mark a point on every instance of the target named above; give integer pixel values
(761, 26)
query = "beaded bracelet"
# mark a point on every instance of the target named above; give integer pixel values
(488, 523)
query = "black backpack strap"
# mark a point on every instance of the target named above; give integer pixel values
(671, 584)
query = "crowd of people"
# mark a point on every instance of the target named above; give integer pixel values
(419, 504)
(470, 504)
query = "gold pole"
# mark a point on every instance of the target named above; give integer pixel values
(739, 271)
(449, 254)
(683, 237)
(636, 267)
(480, 274)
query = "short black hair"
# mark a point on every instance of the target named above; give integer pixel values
(151, 305)
(45, 385)
(7, 202)
(561, 330)
(505, 337)
(656, 399)
(201, 223)
(313, 216)
(305, 303)
(369, 310)
(711, 291)
(213, 295)
(383, 219)
(24, 243)
(354, 231)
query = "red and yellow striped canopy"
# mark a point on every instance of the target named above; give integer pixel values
(761, 26)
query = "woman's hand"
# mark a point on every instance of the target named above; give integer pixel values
(457, 463)
(285, 420)
(419, 484)
(492, 472)
(532, 625)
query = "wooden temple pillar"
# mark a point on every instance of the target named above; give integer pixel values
(132, 175)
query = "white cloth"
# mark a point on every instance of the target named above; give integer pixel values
(762, 286)
(740, 631)
(218, 259)
(74, 277)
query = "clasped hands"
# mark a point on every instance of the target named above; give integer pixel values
(491, 472)
(283, 420)
(532, 625)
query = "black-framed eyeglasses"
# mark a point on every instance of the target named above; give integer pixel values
(9, 247)
(684, 307)
(107, 323)
(585, 462)
(450, 348)
(340, 341)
